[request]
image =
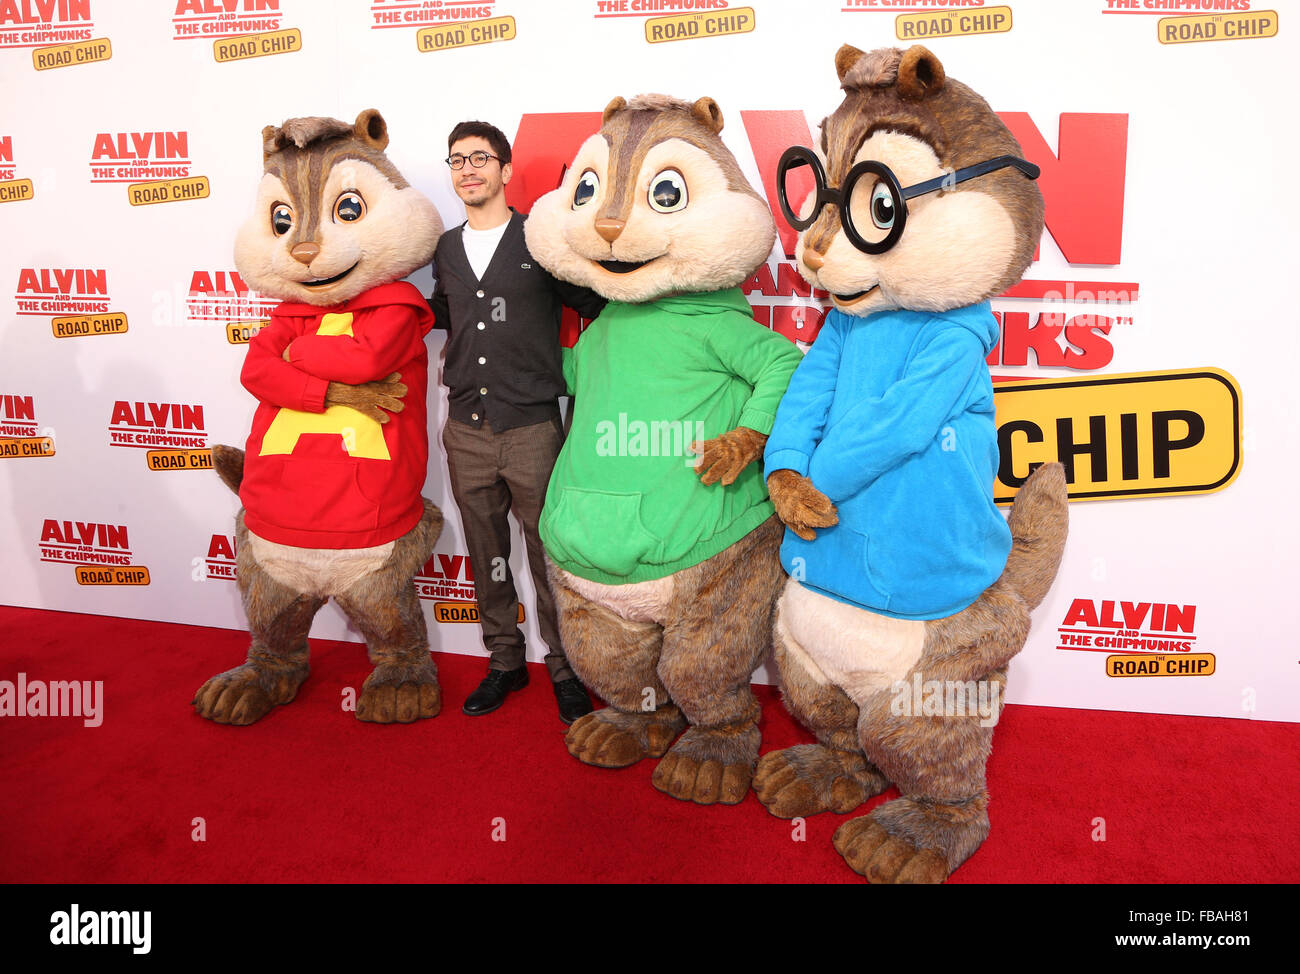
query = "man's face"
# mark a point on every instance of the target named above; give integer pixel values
(478, 186)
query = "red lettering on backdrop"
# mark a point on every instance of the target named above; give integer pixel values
(1082, 185)
(543, 148)
(770, 134)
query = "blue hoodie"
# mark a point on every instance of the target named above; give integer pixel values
(891, 417)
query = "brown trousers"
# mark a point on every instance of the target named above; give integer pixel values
(490, 473)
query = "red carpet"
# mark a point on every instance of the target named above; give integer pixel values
(310, 794)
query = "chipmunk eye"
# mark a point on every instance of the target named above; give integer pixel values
(586, 189)
(882, 207)
(668, 192)
(281, 218)
(349, 207)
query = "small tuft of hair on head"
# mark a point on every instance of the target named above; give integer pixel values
(304, 131)
(872, 69)
(704, 111)
(301, 132)
(656, 103)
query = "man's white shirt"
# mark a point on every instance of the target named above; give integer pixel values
(480, 245)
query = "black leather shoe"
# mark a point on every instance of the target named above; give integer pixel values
(572, 697)
(492, 692)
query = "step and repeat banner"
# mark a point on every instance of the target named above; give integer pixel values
(1151, 347)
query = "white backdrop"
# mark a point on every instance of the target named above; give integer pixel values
(1178, 182)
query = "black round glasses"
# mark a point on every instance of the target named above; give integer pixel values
(880, 205)
(476, 159)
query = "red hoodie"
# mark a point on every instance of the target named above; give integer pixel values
(333, 478)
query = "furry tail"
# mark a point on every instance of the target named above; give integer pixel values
(229, 464)
(1039, 522)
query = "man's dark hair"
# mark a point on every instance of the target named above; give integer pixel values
(494, 136)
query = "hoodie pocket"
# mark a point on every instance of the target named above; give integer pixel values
(322, 496)
(841, 561)
(601, 530)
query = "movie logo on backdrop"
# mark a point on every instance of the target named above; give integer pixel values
(100, 553)
(7, 169)
(223, 296)
(655, 8)
(389, 14)
(241, 47)
(21, 436)
(238, 29)
(38, 23)
(471, 34)
(927, 26)
(156, 165)
(66, 55)
(1140, 638)
(918, 21)
(12, 188)
(1132, 435)
(681, 20)
(448, 582)
(75, 299)
(1194, 21)
(172, 434)
(207, 19)
(219, 562)
(689, 27)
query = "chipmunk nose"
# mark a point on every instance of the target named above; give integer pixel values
(813, 260)
(610, 229)
(305, 252)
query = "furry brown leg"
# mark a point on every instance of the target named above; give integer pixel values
(810, 778)
(938, 762)
(278, 619)
(403, 687)
(720, 632)
(616, 659)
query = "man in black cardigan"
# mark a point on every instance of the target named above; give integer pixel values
(503, 372)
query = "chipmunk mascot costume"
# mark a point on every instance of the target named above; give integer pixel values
(331, 477)
(904, 575)
(665, 564)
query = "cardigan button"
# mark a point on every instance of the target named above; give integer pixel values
(481, 326)
(480, 294)
(473, 416)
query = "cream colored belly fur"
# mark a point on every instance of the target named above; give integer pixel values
(854, 649)
(318, 571)
(636, 601)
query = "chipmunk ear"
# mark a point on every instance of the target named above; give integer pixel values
(616, 105)
(371, 129)
(709, 114)
(920, 74)
(845, 58)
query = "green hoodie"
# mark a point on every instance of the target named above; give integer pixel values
(624, 502)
